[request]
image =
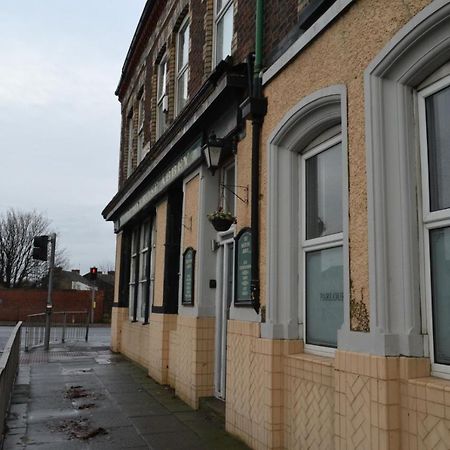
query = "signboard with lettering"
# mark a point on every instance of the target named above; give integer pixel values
(243, 268)
(155, 187)
(187, 297)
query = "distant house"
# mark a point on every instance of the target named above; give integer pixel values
(70, 279)
(73, 280)
(105, 283)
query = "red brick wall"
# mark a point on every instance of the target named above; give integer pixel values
(16, 304)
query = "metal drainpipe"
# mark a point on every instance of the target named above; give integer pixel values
(257, 121)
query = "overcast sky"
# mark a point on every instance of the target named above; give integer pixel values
(60, 62)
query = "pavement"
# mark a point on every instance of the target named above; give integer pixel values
(83, 396)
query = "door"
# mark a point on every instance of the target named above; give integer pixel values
(223, 301)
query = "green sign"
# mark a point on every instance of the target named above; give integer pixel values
(243, 267)
(187, 297)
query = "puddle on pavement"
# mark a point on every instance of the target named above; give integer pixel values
(80, 429)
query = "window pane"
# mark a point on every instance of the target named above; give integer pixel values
(324, 296)
(324, 193)
(162, 75)
(440, 289)
(183, 47)
(438, 133)
(182, 90)
(224, 35)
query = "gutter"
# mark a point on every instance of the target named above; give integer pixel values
(137, 34)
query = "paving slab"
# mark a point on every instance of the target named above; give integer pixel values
(101, 400)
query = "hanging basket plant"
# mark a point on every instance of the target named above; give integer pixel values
(221, 220)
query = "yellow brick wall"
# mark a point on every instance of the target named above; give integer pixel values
(191, 359)
(161, 217)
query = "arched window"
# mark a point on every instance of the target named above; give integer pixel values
(307, 271)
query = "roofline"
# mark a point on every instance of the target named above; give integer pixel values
(137, 34)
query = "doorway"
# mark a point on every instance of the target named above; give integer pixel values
(224, 296)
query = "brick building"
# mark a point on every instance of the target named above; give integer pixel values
(320, 316)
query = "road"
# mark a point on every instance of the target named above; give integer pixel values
(98, 335)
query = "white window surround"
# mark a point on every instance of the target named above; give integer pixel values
(218, 17)
(130, 131)
(182, 68)
(161, 97)
(391, 80)
(430, 220)
(311, 117)
(140, 131)
(325, 242)
(132, 285)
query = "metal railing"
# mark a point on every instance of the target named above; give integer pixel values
(64, 326)
(9, 364)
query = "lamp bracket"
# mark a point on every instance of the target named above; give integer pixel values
(229, 187)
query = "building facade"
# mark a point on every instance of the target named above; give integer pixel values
(319, 316)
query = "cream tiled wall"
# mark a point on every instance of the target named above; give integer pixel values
(191, 358)
(281, 398)
(134, 341)
(160, 327)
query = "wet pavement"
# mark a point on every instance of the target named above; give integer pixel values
(85, 397)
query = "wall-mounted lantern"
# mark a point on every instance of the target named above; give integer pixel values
(212, 151)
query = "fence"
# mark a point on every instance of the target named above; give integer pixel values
(64, 326)
(9, 364)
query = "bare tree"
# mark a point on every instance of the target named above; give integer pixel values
(17, 230)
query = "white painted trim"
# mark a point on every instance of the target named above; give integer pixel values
(305, 39)
(179, 72)
(312, 116)
(216, 18)
(430, 220)
(415, 52)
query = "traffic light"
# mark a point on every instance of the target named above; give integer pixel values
(93, 273)
(40, 244)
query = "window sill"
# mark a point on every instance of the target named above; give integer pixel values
(326, 361)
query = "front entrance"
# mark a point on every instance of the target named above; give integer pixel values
(224, 295)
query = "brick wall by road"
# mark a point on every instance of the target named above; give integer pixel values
(16, 304)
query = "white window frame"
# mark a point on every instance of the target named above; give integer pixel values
(218, 16)
(311, 245)
(429, 220)
(130, 131)
(142, 274)
(152, 263)
(132, 268)
(225, 182)
(140, 137)
(161, 95)
(182, 71)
